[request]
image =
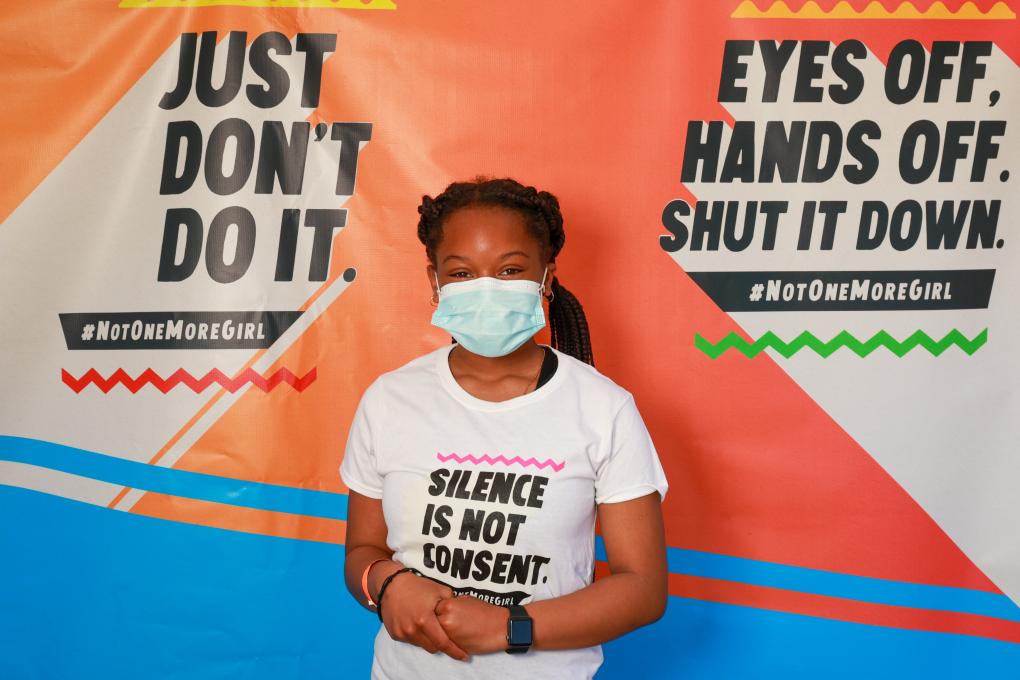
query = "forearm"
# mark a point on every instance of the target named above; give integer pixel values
(360, 557)
(608, 608)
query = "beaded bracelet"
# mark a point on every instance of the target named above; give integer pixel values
(386, 583)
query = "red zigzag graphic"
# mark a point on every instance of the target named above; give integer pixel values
(181, 376)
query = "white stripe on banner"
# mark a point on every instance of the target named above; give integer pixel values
(222, 403)
(56, 483)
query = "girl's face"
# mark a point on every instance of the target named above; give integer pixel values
(486, 240)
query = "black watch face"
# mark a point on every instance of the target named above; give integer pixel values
(520, 632)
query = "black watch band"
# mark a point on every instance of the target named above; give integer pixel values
(518, 630)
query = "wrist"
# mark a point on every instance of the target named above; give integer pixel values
(499, 628)
(377, 573)
(386, 584)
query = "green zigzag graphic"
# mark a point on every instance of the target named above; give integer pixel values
(843, 338)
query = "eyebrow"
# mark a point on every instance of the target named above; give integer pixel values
(502, 257)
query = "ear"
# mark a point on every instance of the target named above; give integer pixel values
(430, 272)
(549, 276)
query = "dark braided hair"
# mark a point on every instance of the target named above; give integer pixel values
(541, 212)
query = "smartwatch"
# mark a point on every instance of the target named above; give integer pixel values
(518, 630)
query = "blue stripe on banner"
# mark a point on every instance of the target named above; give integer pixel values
(152, 598)
(334, 506)
(195, 485)
(699, 640)
(835, 584)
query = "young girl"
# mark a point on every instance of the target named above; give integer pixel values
(476, 471)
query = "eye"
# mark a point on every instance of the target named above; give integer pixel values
(511, 270)
(459, 274)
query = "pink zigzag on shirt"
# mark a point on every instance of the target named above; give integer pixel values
(486, 458)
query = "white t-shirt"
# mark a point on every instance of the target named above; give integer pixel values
(496, 499)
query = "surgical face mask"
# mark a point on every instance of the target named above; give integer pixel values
(489, 316)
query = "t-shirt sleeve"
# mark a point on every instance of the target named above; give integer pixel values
(359, 468)
(631, 466)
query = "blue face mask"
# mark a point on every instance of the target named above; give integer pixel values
(489, 316)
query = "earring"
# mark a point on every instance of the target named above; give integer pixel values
(550, 296)
(434, 300)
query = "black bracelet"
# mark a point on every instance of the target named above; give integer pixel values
(385, 583)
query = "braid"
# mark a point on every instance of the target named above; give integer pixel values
(568, 324)
(541, 212)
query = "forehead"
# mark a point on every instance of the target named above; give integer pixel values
(482, 229)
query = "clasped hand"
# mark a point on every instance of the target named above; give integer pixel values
(426, 613)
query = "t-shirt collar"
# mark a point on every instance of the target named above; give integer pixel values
(442, 357)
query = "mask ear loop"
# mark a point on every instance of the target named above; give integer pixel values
(435, 299)
(541, 290)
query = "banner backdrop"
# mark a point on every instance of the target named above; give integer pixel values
(792, 225)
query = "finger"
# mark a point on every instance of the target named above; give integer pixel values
(424, 641)
(417, 636)
(439, 637)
